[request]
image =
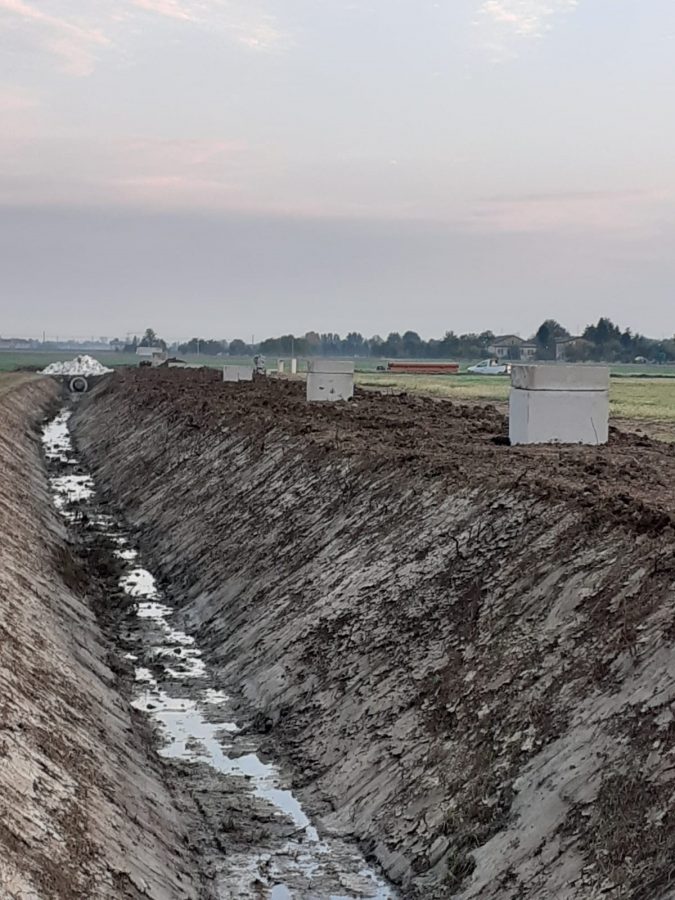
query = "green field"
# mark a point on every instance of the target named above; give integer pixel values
(636, 399)
(11, 360)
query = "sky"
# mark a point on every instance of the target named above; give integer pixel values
(230, 168)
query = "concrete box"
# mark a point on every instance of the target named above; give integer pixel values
(559, 417)
(331, 366)
(560, 378)
(324, 387)
(294, 367)
(237, 373)
(329, 380)
(280, 367)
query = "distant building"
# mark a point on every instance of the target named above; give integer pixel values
(575, 348)
(510, 346)
(155, 356)
(18, 344)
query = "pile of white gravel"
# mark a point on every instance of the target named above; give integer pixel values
(81, 365)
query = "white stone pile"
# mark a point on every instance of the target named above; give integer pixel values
(81, 365)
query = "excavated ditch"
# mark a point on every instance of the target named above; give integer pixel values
(257, 840)
(464, 651)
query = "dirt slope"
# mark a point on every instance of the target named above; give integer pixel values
(466, 649)
(83, 812)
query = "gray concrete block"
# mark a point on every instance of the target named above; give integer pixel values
(560, 378)
(559, 417)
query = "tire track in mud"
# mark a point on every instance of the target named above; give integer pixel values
(257, 841)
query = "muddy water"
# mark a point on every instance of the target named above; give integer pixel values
(272, 850)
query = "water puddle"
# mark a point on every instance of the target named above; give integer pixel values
(175, 689)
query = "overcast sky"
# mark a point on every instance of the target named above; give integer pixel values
(237, 167)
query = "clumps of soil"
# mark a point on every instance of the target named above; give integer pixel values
(629, 835)
(630, 482)
(72, 570)
(440, 630)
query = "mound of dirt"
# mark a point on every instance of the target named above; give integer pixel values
(81, 365)
(465, 649)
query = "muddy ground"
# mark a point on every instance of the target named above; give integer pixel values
(464, 650)
(85, 810)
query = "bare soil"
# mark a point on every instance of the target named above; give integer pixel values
(84, 810)
(464, 649)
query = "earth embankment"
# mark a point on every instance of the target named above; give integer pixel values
(83, 810)
(464, 649)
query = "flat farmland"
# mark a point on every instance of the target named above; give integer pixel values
(632, 399)
(637, 394)
(13, 360)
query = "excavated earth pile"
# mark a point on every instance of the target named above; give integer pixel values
(83, 811)
(465, 650)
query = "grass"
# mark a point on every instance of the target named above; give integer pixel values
(11, 360)
(637, 399)
(482, 388)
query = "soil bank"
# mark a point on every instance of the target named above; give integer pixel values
(465, 649)
(83, 810)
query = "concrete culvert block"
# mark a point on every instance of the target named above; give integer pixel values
(559, 405)
(294, 367)
(78, 385)
(280, 367)
(329, 380)
(560, 378)
(237, 373)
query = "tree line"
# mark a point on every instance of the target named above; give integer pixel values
(603, 341)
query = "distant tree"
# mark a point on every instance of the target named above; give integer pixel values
(603, 333)
(546, 336)
(354, 345)
(466, 346)
(331, 344)
(606, 340)
(580, 351)
(202, 346)
(413, 345)
(239, 348)
(313, 343)
(375, 344)
(150, 339)
(393, 346)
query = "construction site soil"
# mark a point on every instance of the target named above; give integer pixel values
(461, 654)
(463, 650)
(85, 808)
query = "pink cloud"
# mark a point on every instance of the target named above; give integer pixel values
(172, 9)
(74, 44)
(16, 100)
(627, 212)
(77, 40)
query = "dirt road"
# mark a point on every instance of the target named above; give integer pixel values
(463, 649)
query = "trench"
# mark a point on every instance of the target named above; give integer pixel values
(259, 842)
